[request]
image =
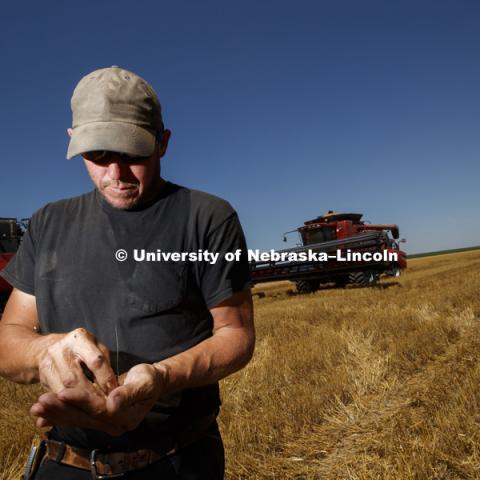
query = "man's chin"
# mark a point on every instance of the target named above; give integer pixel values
(123, 202)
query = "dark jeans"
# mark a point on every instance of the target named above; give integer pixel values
(202, 460)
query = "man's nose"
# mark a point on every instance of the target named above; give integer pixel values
(114, 170)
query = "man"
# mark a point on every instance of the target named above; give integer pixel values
(130, 351)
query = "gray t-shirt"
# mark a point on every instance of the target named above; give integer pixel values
(143, 311)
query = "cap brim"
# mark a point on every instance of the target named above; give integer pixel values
(112, 136)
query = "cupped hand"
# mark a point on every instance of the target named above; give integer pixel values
(118, 412)
(64, 363)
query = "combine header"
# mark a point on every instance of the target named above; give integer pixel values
(336, 247)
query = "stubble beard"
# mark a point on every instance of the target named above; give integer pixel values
(130, 201)
(127, 200)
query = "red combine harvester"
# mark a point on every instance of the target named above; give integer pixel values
(354, 252)
(11, 232)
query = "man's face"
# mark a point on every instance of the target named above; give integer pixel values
(124, 184)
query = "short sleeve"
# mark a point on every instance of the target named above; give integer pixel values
(218, 281)
(20, 271)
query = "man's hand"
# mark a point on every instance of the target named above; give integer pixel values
(64, 363)
(139, 389)
(54, 409)
(226, 351)
(121, 411)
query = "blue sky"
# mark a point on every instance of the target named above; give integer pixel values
(286, 109)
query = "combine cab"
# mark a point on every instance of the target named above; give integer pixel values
(348, 242)
(11, 232)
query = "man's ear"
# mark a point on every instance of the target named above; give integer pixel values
(163, 144)
(70, 131)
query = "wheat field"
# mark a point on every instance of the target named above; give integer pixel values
(357, 384)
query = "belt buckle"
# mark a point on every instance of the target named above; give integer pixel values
(93, 469)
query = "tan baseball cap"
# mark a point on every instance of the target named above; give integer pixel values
(114, 109)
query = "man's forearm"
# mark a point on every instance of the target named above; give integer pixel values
(20, 350)
(227, 351)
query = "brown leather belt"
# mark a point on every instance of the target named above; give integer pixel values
(105, 465)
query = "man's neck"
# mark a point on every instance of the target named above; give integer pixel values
(155, 190)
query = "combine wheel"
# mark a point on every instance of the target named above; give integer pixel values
(363, 279)
(307, 286)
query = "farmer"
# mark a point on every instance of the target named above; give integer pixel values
(130, 352)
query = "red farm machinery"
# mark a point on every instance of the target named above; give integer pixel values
(354, 253)
(11, 232)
